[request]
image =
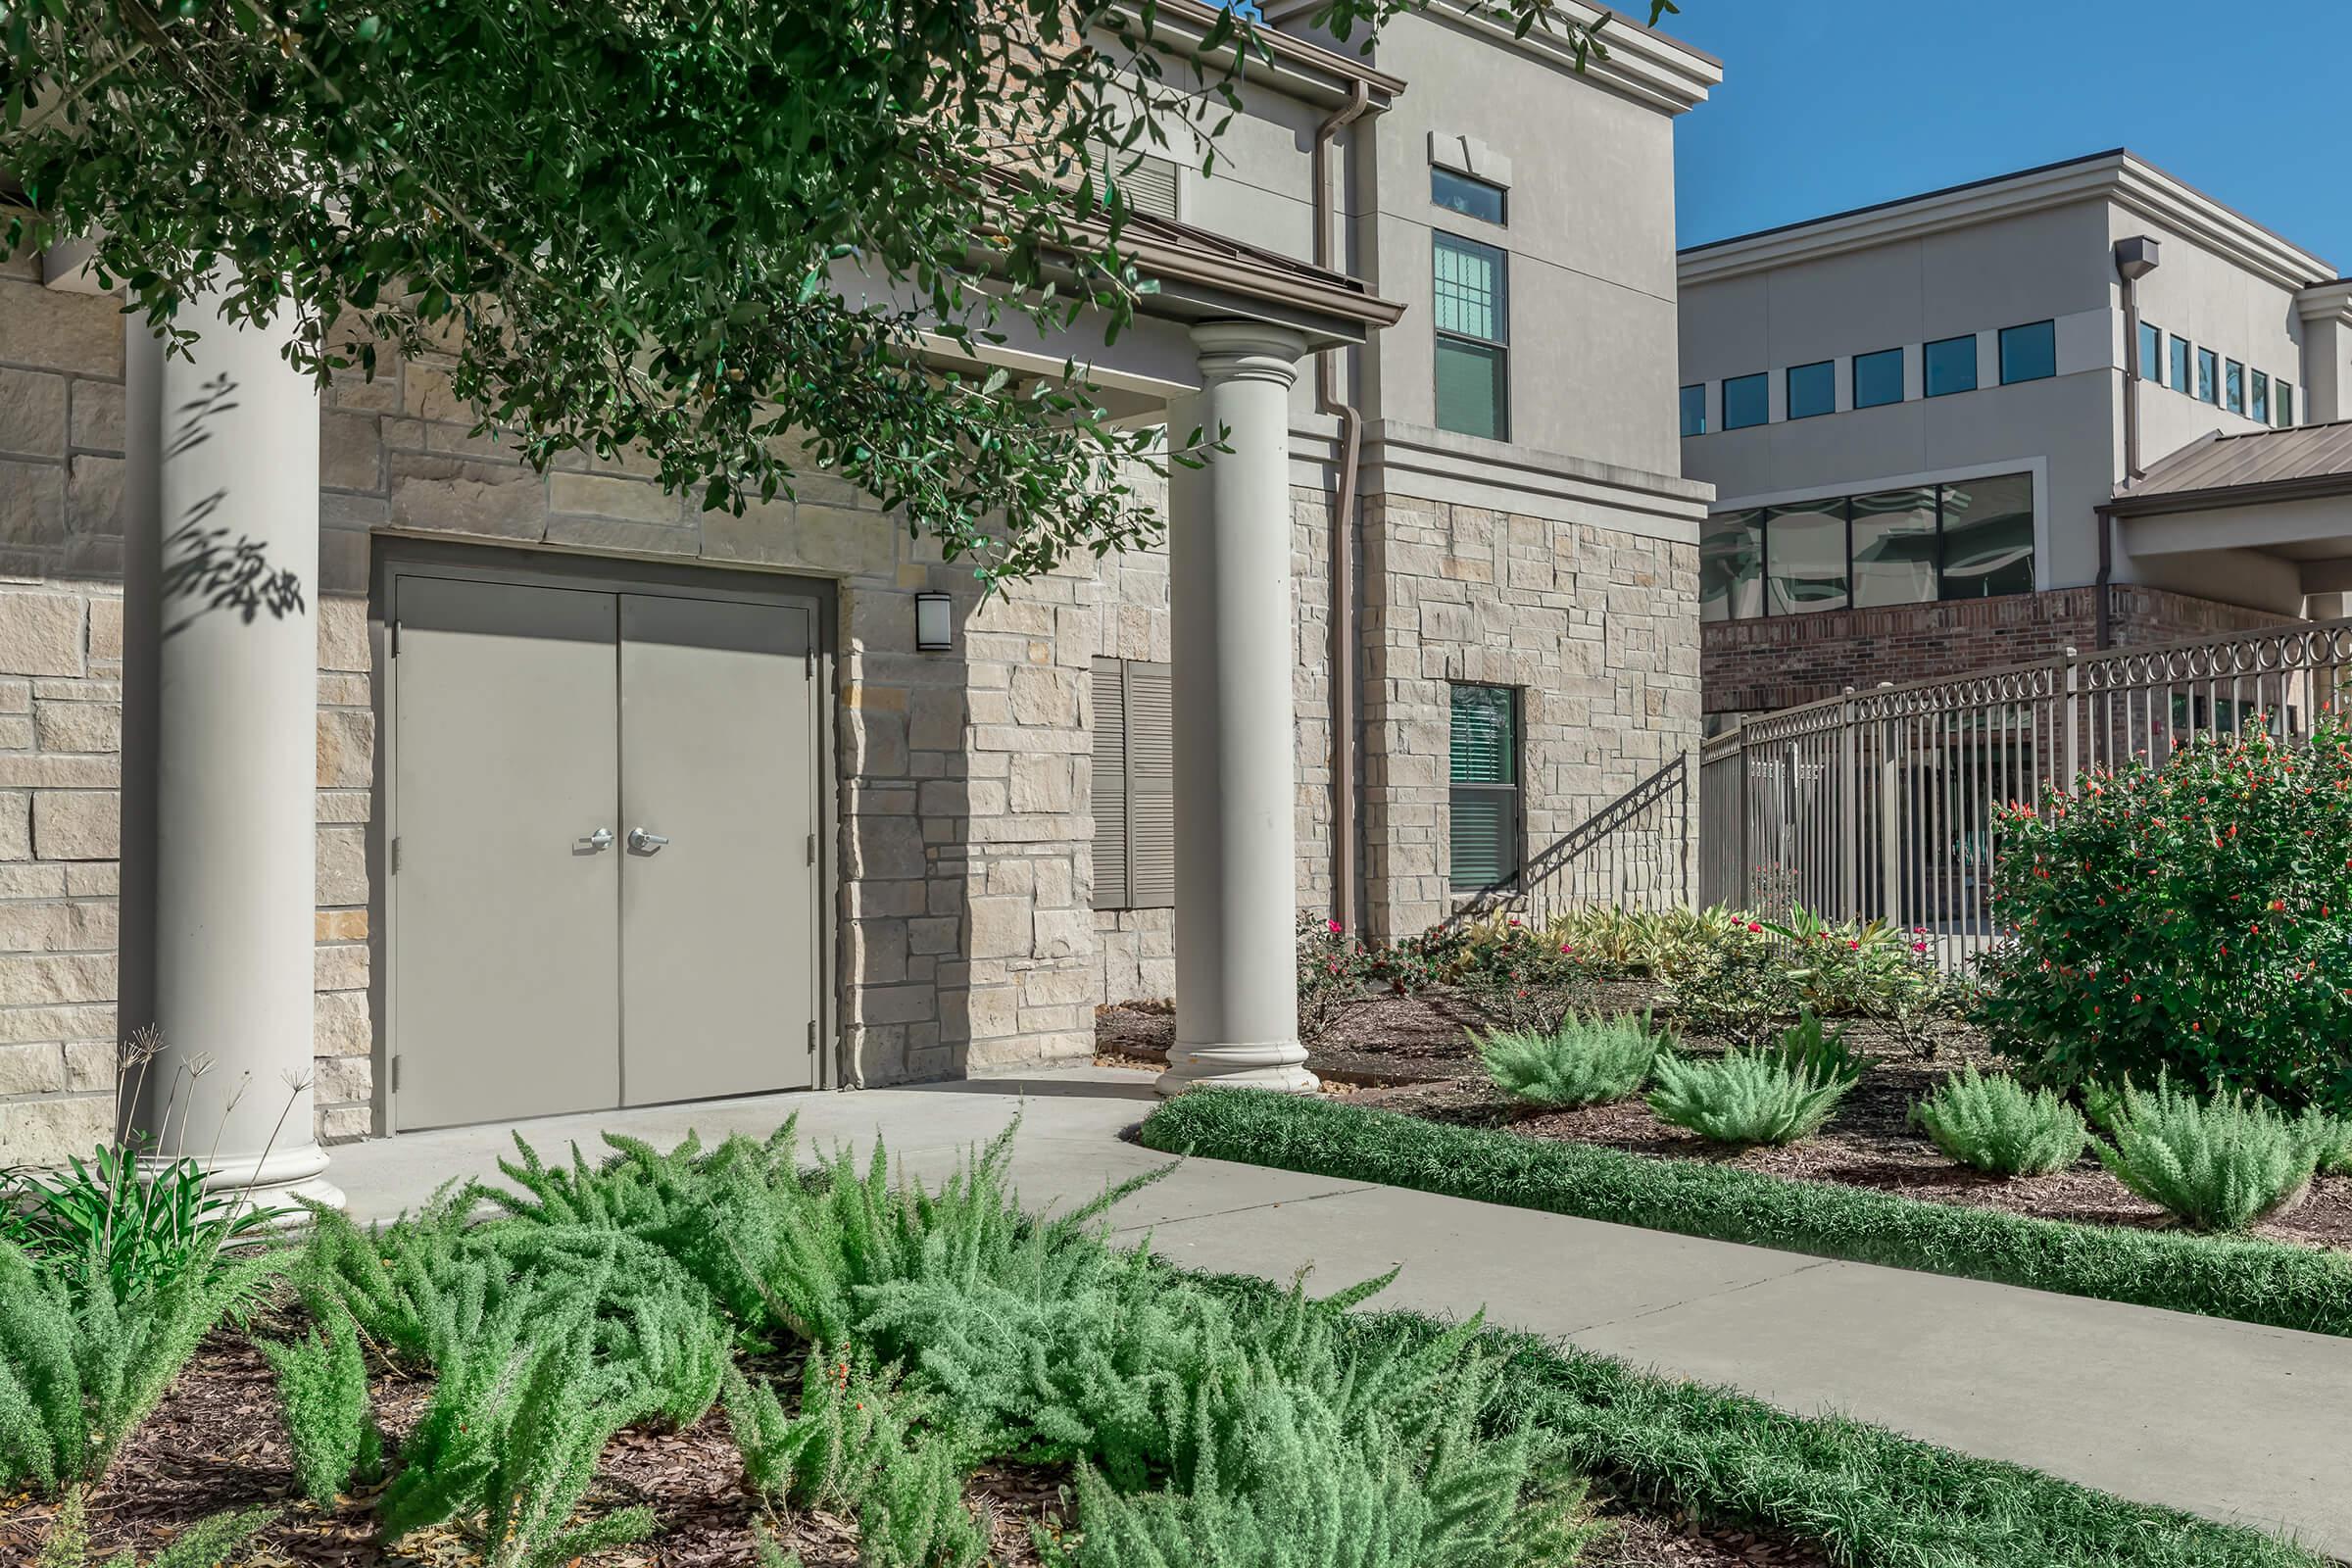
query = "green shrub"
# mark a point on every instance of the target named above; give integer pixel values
(1585, 1061)
(2330, 1141)
(862, 1442)
(2195, 921)
(79, 1369)
(2214, 1164)
(1750, 977)
(2000, 1126)
(132, 1223)
(330, 1421)
(1301, 1488)
(206, 1543)
(509, 1440)
(1759, 1096)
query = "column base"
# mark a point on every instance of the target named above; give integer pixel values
(284, 1181)
(1276, 1064)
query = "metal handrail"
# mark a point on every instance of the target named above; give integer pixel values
(1656, 811)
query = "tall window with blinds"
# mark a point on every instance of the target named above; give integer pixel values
(1485, 787)
(1470, 299)
(1135, 786)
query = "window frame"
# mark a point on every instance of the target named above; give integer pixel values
(1763, 380)
(2258, 397)
(2234, 387)
(1854, 378)
(1828, 367)
(1502, 194)
(2209, 377)
(1927, 365)
(2151, 334)
(2179, 355)
(1700, 428)
(1515, 790)
(1843, 505)
(2282, 405)
(2001, 352)
(1499, 346)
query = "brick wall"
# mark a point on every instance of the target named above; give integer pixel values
(1757, 666)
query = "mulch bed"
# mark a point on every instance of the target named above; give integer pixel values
(217, 1443)
(1410, 1054)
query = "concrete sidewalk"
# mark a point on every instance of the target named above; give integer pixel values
(2240, 1423)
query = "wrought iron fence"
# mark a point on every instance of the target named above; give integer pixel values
(1886, 803)
(1632, 853)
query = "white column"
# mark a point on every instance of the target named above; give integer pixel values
(1235, 638)
(222, 678)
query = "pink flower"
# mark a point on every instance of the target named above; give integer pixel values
(1757, 929)
(1854, 945)
(1335, 927)
(1567, 946)
(1514, 919)
(1919, 947)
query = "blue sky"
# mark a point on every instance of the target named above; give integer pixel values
(1831, 104)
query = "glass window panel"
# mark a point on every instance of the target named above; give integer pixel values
(2286, 404)
(1878, 378)
(1951, 365)
(1694, 410)
(2179, 367)
(1484, 802)
(2258, 407)
(1731, 566)
(1473, 388)
(1894, 547)
(1468, 295)
(1988, 536)
(1472, 198)
(1812, 389)
(1486, 745)
(1746, 401)
(2234, 388)
(2029, 353)
(2151, 351)
(1804, 558)
(2209, 377)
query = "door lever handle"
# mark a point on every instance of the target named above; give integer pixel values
(645, 843)
(600, 840)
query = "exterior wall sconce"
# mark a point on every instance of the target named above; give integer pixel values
(934, 623)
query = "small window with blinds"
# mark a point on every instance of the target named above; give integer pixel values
(1484, 792)
(1135, 786)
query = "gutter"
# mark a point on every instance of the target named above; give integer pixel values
(1330, 400)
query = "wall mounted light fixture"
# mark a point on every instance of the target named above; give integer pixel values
(934, 623)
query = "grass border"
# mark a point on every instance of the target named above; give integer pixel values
(2249, 1281)
(1869, 1497)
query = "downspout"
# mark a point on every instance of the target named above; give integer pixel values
(1330, 400)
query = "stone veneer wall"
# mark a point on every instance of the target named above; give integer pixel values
(1593, 624)
(967, 936)
(1759, 666)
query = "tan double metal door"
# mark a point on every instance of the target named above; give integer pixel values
(603, 885)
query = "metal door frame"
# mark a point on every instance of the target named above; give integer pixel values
(395, 556)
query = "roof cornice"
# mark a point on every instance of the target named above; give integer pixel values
(2327, 302)
(2120, 176)
(1643, 65)
(1293, 65)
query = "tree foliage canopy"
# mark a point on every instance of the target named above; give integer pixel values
(741, 235)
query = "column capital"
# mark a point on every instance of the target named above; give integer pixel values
(1248, 351)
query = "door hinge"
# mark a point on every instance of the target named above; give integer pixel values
(396, 639)
(811, 848)
(812, 1037)
(396, 1075)
(394, 857)
(809, 670)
